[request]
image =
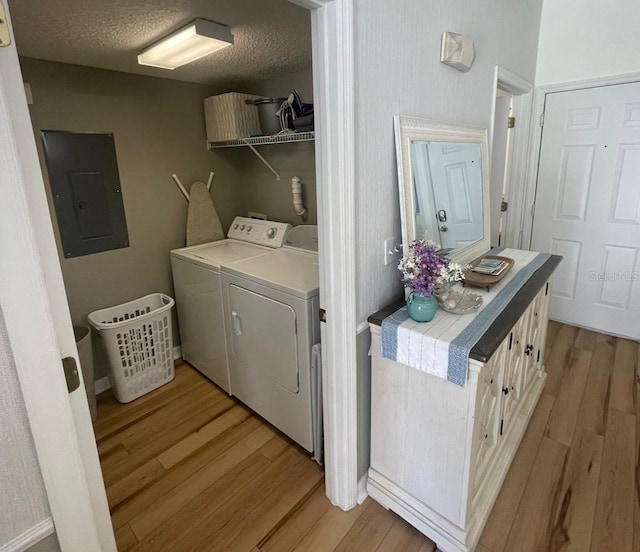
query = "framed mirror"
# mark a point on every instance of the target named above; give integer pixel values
(443, 180)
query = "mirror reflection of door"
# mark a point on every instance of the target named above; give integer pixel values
(448, 192)
(426, 222)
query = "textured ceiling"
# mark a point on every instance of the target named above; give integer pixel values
(271, 37)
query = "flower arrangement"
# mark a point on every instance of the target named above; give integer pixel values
(423, 268)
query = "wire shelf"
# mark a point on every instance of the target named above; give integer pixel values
(264, 140)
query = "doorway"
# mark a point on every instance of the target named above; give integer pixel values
(23, 284)
(503, 123)
(509, 149)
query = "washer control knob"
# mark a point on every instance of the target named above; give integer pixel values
(271, 232)
(249, 228)
(235, 226)
(242, 227)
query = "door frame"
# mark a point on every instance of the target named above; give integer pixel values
(521, 91)
(333, 39)
(535, 139)
(34, 302)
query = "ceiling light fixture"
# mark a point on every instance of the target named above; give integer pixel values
(189, 43)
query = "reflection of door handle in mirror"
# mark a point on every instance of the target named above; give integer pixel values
(237, 323)
(443, 228)
(442, 215)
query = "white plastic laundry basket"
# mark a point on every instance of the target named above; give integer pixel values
(139, 344)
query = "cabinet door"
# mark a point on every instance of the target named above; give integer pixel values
(543, 322)
(535, 336)
(488, 412)
(530, 342)
(513, 372)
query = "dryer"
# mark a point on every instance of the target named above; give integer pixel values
(196, 279)
(271, 306)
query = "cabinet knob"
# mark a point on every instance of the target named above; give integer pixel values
(506, 390)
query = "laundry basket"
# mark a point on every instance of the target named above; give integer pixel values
(138, 341)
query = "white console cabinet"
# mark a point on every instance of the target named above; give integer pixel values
(440, 452)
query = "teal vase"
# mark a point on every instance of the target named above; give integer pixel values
(421, 308)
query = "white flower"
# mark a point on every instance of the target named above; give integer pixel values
(452, 273)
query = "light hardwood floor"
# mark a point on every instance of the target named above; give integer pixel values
(189, 469)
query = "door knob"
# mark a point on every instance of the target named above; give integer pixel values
(443, 228)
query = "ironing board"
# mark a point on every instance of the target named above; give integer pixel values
(203, 223)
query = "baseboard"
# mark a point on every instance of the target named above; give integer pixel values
(30, 537)
(362, 489)
(102, 384)
(177, 352)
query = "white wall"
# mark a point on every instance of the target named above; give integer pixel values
(583, 39)
(398, 72)
(23, 502)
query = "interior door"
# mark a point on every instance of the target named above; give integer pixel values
(39, 326)
(588, 206)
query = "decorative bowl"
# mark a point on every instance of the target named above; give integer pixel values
(455, 302)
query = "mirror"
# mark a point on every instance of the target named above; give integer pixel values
(444, 185)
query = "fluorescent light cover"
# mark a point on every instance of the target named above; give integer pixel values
(197, 39)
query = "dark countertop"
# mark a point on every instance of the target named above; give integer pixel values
(489, 342)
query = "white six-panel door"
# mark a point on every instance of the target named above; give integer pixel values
(588, 206)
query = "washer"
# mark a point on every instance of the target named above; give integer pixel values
(271, 307)
(196, 279)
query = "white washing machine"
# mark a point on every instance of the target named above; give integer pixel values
(196, 279)
(271, 307)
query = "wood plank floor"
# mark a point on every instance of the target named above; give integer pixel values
(573, 484)
(188, 468)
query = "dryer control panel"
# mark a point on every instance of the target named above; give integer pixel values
(260, 232)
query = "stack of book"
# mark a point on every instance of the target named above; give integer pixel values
(492, 267)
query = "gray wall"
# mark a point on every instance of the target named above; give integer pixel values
(258, 189)
(23, 501)
(397, 71)
(158, 128)
(50, 544)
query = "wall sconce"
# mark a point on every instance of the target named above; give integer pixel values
(457, 51)
(189, 43)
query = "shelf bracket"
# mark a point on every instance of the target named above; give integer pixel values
(254, 150)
